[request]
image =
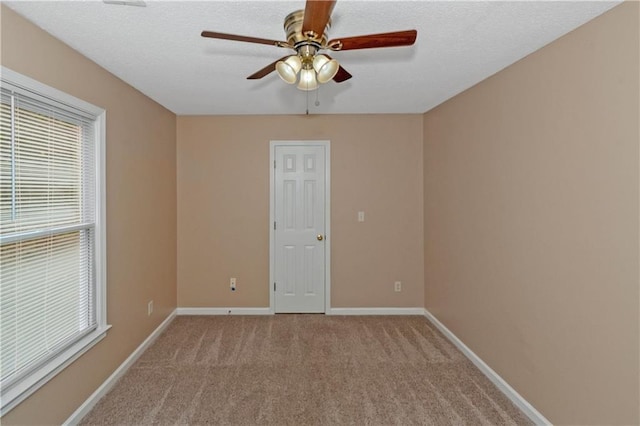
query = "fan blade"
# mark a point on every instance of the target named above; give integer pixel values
(266, 70)
(212, 34)
(341, 75)
(316, 16)
(398, 38)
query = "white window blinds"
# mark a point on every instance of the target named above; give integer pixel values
(47, 231)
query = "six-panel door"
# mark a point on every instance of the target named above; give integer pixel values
(299, 228)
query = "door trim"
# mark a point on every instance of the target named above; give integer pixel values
(327, 215)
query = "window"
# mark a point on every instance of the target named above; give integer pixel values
(52, 269)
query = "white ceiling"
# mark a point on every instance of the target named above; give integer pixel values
(158, 49)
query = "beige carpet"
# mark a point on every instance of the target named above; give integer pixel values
(303, 370)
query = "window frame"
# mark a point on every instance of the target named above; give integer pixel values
(22, 389)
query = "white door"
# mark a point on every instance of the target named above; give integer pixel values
(299, 228)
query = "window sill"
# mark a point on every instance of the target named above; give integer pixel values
(22, 390)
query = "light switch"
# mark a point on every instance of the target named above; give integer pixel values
(360, 216)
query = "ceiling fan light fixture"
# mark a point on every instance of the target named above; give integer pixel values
(325, 67)
(308, 80)
(288, 69)
(306, 32)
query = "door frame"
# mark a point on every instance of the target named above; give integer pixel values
(327, 216)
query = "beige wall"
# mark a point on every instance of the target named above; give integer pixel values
(531, 222)
(141, 211)
(223, 207)
(530, 196)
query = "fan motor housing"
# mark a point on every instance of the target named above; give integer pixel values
(293, 29)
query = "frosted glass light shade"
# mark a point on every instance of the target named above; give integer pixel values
(288, 69)
(308, 80)
(325, 67)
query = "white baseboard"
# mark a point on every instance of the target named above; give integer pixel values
(105, 387)
(223, 311)
(500, 383)
(375, 311)
(331, 311)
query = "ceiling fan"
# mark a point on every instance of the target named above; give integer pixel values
(306, 32)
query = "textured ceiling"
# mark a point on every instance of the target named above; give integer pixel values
(158, 49)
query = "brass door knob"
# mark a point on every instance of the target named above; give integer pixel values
(320, 237)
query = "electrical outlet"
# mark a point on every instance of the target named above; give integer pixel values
(232, 284)
(150, 308)
(397, 286)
